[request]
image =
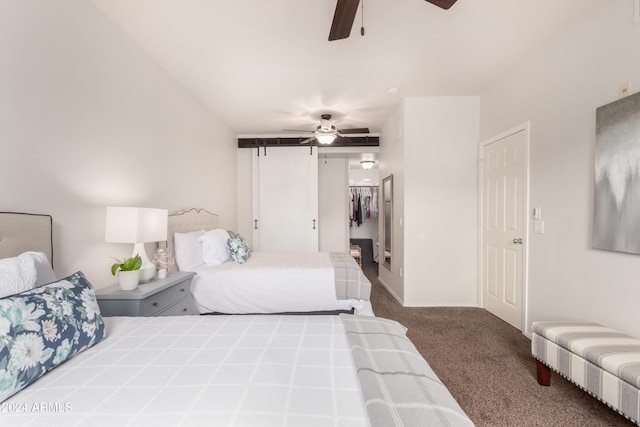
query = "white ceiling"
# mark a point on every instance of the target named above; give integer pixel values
(263, 66)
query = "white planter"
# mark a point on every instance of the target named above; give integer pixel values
(128, 280)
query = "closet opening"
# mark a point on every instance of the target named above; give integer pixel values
(364, 198)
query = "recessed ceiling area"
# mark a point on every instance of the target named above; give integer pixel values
(264, 66)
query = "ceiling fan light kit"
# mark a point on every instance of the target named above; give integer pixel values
(325, 139)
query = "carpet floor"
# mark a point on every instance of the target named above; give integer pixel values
(487, 366)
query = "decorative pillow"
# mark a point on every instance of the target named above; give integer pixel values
(42, 327)
(238, 249)
(17, 274)
(188, 250)
(214, 247)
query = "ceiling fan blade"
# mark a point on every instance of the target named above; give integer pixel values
(343, 19)
(354, 130)
(297, 130)
(306, 141)
(445, 4)
(342, 139)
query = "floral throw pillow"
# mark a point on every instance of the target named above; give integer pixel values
(238, 249)
(42, 327)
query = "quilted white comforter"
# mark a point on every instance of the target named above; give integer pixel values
(275, 282)
(201, 370)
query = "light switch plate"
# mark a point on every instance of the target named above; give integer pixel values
(538, 227)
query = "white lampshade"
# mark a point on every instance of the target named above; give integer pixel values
(137, 226)
(325, 138)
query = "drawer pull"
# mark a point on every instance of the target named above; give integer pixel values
(184, 309)
(181, 289)
(155, 304)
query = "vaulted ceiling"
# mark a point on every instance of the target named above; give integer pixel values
(263, 66)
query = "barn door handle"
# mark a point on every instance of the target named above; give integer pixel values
(255, 224)
(314, 224)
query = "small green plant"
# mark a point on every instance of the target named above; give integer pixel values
(129, 264)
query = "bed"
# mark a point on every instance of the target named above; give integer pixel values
(207, 370)
(267, 282)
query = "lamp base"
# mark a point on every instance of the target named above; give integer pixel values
(148, 270)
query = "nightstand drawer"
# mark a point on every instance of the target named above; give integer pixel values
(183, 308)
(162, 300)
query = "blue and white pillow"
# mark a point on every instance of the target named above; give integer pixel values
(238, 249)
(42, 327)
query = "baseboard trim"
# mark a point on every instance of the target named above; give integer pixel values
(443, 305)
(393, 294)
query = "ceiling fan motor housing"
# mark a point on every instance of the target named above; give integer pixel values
(325, 123)
(326, 126)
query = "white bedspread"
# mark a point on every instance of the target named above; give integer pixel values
(201, 370)
(272, 282)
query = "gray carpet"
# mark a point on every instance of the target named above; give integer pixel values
(487, 366)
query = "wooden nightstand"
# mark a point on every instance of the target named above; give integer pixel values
(159, 297)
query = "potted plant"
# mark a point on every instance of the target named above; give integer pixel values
(128, 272)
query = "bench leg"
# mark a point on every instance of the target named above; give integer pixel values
(543, 373)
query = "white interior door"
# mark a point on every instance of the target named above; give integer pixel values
(288, 200)
(504, 227)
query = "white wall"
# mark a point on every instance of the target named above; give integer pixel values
(391, 162)
(246, 183)
(333, 227)
(440, 201)
(367, 230)
(558, 89)
(87, 120)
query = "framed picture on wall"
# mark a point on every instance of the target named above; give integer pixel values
(616, 199)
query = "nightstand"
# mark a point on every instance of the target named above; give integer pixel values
(170, 296)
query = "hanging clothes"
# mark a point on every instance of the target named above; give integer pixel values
(363, 204)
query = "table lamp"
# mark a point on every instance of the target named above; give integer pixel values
(137, 226)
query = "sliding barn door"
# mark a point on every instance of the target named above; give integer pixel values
(286, 206)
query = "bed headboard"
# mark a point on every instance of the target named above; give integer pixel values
(186, 220)
(21, 232)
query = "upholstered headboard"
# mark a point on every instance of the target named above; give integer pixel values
(186, 220)
(21, 232)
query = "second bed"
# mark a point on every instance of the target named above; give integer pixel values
(273, 282)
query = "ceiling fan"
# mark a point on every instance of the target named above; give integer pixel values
(326, 133)
(345, 14)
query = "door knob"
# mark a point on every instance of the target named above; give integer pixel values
(517, 241)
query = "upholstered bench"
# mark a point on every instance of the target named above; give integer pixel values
(602, 361)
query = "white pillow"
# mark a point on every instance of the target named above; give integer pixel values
(17, 274)
(44, 272)
(214, 247)
(188, 250)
